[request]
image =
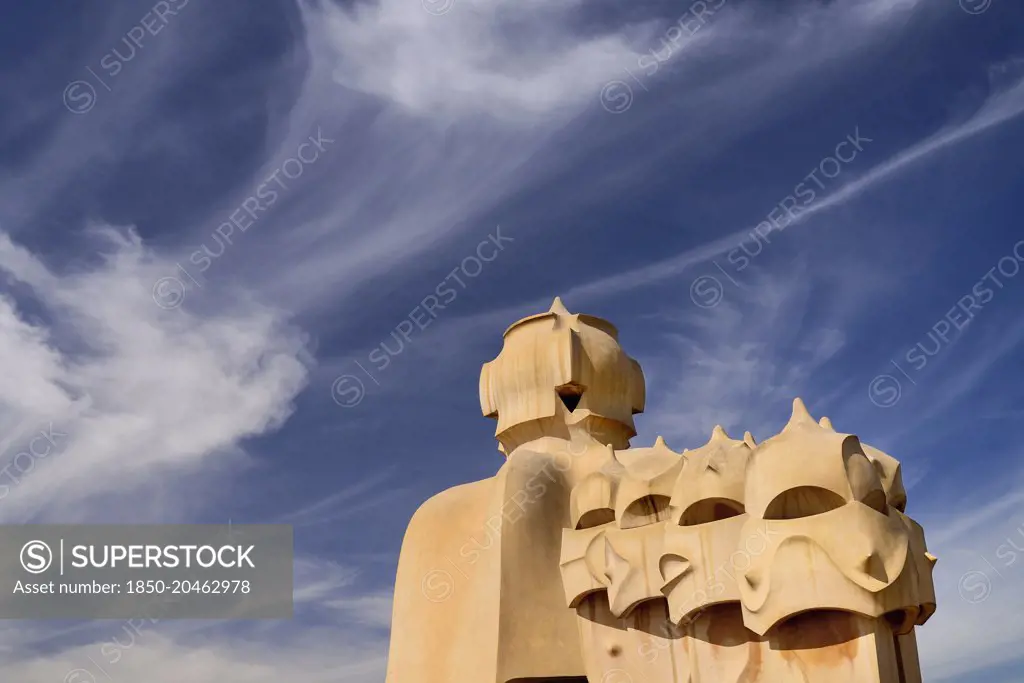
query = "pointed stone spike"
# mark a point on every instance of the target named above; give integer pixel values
(800, 414)
(718, 433)
(660, 442)
(748, 439)
(558, 307)
(800, 408)
(826, 423)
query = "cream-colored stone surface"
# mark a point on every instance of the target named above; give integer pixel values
(792, 559)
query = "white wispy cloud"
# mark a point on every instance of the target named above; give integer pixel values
(147, 407)
(452, 58)
(138, 395)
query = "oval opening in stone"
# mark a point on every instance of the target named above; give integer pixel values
(647, 510)
(597, 517)
(803, 501)
(710, 510)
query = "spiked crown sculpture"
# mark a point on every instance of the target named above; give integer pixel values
(584, 559)
(579, 357)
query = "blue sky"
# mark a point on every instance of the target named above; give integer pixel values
(769, 199)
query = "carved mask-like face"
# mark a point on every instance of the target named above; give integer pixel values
(617, 514)
(809, 520)
(835, 541)
(611, 572)
(662, 526)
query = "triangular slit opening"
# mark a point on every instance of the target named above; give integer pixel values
(570, 395)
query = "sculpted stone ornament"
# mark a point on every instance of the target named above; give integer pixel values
(583, 559)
